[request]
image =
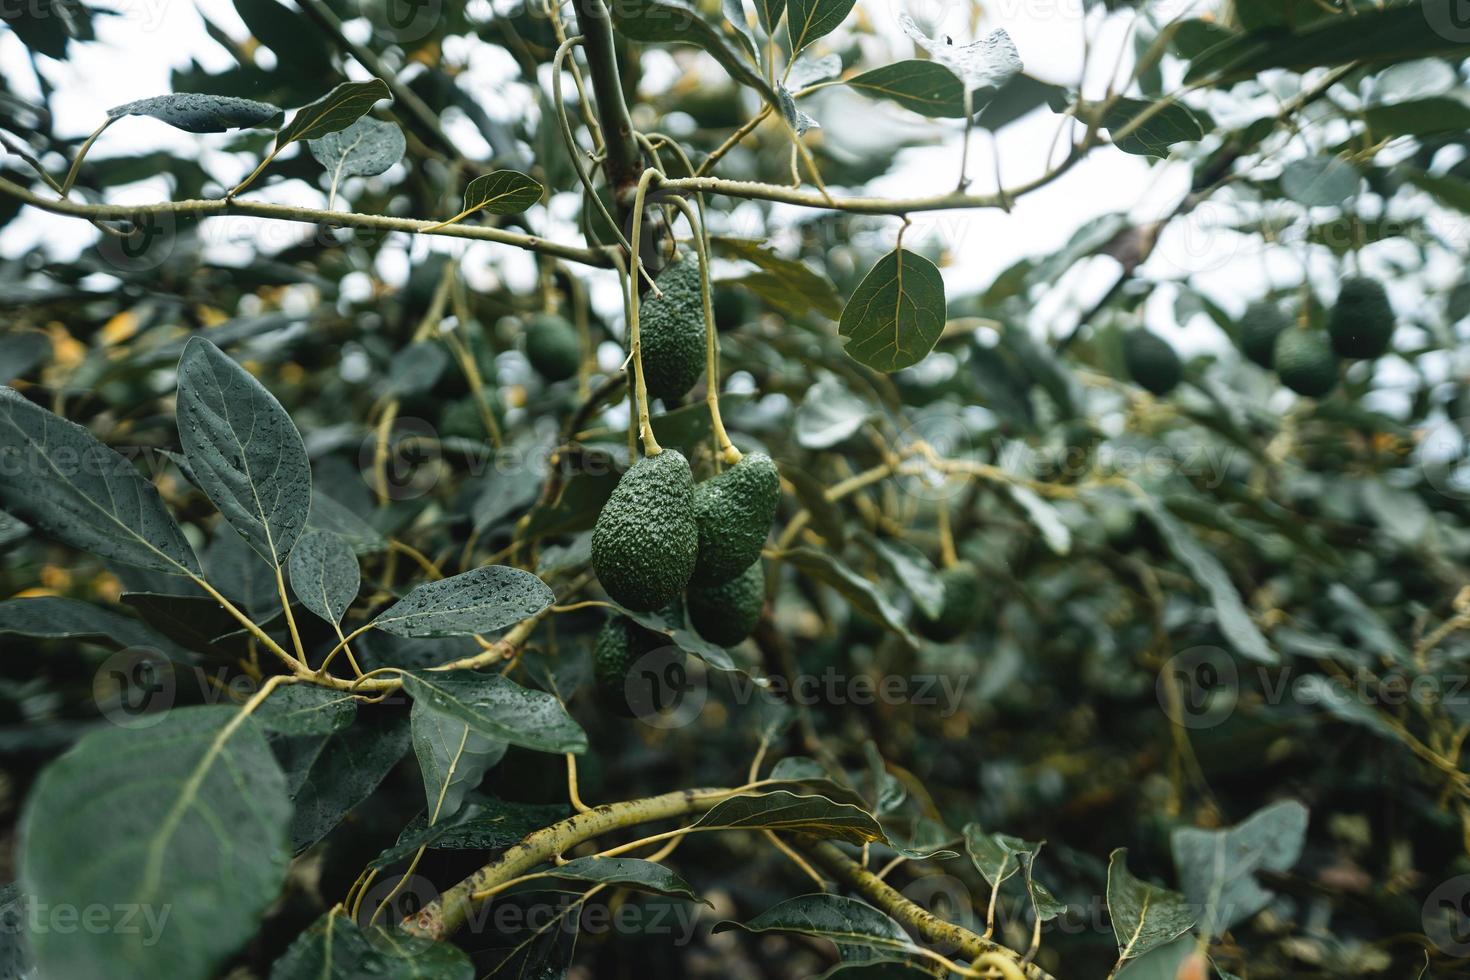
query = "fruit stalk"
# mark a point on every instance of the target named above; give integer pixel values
(640, 386)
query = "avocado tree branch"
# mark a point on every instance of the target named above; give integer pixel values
(214, 207)
(622, 162)
(913, 917)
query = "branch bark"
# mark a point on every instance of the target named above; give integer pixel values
(623, 163)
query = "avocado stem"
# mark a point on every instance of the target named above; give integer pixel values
(640, 388)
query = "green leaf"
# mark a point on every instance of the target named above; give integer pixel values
(188, 816)
(481, 600)
(416, 369)
(1172, 124)
(21, 353)
(897, 313)
(846, 921)
(195, 622)
(926, 87)
(1144, 916)
(630, 873)
(337, 948)
(306, 709)
(830, 414)
(866, 597)
(338, 109)
(911, 569)
(787, 284)
(1218, 867)
(816, 816)
(54, 617)
(453, 758)
(1449, 191)
(996, 856)
(498, 708)
(365, 149)
(1233, 618)
(328, 515)
(808, 20)
(201, 113)
(1044, 515)
(328, 775)
(988, 63)
(57, 477)
(1419, 117)
(1162, 963)
(324, 574)
(1320, 181)
(799, 121)
(1398, 32)
(500, 192)
(244, 450)
(769, 13)
(484, 823)
(676, 22)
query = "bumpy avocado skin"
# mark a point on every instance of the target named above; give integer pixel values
(1258, 329)
(1151, 361)
(671, 331)
(1305, 363)
(961, 604)
(728, 613)
(1362, 322)
(619, 644)
(646, 540)
(552, 347)
(734, 510)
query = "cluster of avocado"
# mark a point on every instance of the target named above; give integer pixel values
(660, 535)
(1360, 326)
(960, 607)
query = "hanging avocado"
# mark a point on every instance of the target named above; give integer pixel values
(959, 608)
(1151, 362)
(552, 347)
(1260, 325)
(726, 614)
(1362, 321)
(646, 540)
(671, 331)
(734, 510)
(1305, 362)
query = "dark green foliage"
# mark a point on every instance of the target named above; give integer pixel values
(728, 613)
(619, 644)
(1151, 361)
(671, 331)
(1260, 325)
(553, 347)
(1305, 362)
(1362, 321)
(961, 604)
(734, 510)
(646, 539)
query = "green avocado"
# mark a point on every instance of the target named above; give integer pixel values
(1305, 362)
(732, 308)
(671, 331)
(1260, 325)
(734, 511)
(1362, 322)
(960, 606)
(1151, 361)
(553, 347)
(728, 613)
(646, 540)
(619, 644)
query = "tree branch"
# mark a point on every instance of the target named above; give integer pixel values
(623, 163)
(345, 219)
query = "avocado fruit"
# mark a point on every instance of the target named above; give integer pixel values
(959, 608)
(727, 613)
(553, 347)
(734, 511)
(732, 308)
(1305, 362)
(1260, 325)
(671, 331)
(619, 644)
(1151, 362)
(1362, 321)
(646, 540)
